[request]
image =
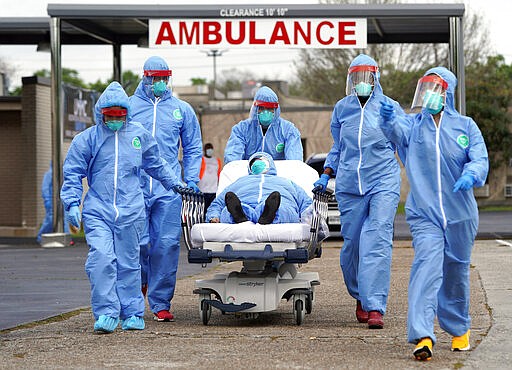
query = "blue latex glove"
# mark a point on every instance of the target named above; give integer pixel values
(74, 217)
(192, 185)
(465, 182)
(387, 111)
(322, 181)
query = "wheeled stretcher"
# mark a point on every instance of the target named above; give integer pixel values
(269, 253)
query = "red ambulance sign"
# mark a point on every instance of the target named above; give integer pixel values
(330, 33)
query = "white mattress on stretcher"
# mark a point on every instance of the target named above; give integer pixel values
(247, 235)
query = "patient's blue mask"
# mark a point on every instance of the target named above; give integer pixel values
(114, 125)
(363, 89)
(159, 87)
(433, 102)
(265, 117)
(258, 167)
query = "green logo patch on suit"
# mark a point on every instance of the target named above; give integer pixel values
(177, 114)
(136, 142)
(280, 147)
(463, 141)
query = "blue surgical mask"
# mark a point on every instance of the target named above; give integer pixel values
(114, 125)
(265, 117)
(433, 102)
(159, 88)
(363, 89)
(258, 167)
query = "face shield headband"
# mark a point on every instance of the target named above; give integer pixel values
(266, 104)
(158, 73)
(430, 94)
(115, 112)
(361, 79)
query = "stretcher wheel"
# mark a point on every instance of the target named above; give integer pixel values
(205, 309)
(298, 308)
(309, 303)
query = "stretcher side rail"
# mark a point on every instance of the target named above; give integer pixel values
(192, 212)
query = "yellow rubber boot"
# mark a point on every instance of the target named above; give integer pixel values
(461, 343)
(423, 350)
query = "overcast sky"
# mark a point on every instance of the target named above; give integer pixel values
(189, 63)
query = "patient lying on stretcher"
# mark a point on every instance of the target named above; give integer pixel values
(260, 197)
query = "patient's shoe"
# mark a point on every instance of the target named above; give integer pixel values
(461, 343)
(235, 207)
(423, 350)
(375, 320)
(271, 206)
(106, 324)
(133, 323)
(163, 315)
(361, 315)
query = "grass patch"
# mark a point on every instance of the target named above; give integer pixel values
(495, 209)
(401, 209)
(49, 320)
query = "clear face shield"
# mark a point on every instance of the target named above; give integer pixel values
(259, 165)
(264, 111)
(158, 80)
(361, 79)
(430, 94)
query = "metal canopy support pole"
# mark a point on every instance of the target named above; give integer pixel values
(118, 76)
(457, 60)
(56, 75)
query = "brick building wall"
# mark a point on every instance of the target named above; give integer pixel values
(26, 129)
(11, 153)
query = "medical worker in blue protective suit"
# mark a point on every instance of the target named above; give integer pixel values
(445, 158)
(367, 189)
(111, 155)
(260, 197)
(264, 131)
(46, 194)
(172, 122)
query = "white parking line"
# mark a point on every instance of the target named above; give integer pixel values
(503, 242)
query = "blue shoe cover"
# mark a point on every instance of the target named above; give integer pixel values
(133, 323)
(106, 324)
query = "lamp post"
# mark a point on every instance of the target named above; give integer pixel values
(214, 53)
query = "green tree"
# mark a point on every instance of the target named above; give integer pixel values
(69, 76)
(198, 81)
(130, 82)
(488, 98)
(321, 73)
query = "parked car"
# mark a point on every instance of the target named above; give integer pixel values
(317, 161)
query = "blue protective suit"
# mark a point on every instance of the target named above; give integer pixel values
(46, 194)
(253, 190)
(367, 191)
(171, 121)
(113, 209)
(281, 140)
(443, 223)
